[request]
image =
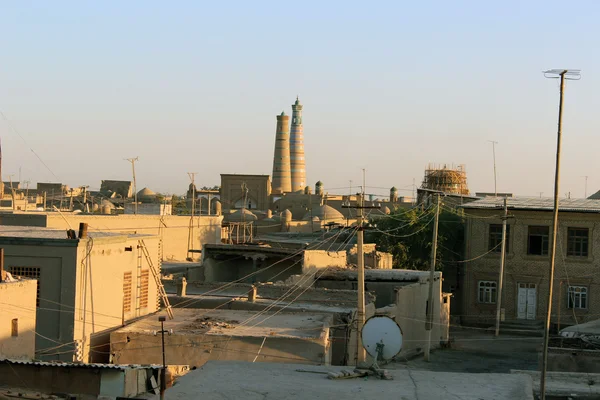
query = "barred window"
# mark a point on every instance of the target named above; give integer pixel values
(577, 297)
(488, 292)
(31, 273)
(144, 280)
(127, 282)
(495, 239)
(577, 242)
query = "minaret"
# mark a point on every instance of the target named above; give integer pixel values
(282, 179)
(297, 149)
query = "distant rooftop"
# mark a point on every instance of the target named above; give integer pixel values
(231, 323)
(34, 232)
(537, 204)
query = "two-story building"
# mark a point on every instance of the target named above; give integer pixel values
(576, 297)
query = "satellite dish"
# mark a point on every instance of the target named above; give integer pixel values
(382, 337)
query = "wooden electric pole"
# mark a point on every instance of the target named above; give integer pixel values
(360, 263)
(135, 199)
(430, 308)
(563, 75)
(502, 262)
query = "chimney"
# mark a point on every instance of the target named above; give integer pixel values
(2, 271)
(83, 230)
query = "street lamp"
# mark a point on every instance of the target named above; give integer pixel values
(163, 373)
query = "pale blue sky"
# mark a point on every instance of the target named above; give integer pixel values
(386, 86)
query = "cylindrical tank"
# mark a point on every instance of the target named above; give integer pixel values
(106, 209)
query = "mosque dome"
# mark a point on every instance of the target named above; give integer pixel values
(146, 195)
(324, 213)
(241, 215)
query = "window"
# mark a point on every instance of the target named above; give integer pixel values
(495, 245)
(127, 292)
(14, 328)
(487, 292)
(577, 242)
(577, 297)
(144, 288)
(28, 272)
(537, 243)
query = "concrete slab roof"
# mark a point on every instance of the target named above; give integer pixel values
(236, 323)
(536, 204)
(40, 233)
(270, 381)
(382, 275)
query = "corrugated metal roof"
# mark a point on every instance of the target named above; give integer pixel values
(76, 365)
(536, 204)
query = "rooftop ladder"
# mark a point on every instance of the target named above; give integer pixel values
(157, 279)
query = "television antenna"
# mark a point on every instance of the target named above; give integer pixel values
(382, 339)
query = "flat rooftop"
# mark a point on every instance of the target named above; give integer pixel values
(377, 275)
(235, 323)
(34, 232)
(536, 204)
(270, 381)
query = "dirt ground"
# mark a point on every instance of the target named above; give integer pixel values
(477, 351)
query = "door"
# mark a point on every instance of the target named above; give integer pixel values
(527, 301)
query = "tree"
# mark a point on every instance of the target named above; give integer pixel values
(407, 234)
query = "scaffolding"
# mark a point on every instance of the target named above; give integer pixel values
(452, 180)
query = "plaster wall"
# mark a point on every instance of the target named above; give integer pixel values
(18, 303)
(99, 292)
(173, 229)
(196, 349)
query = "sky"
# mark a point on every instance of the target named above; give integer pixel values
(389, 87)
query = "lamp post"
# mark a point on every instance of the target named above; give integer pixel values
(163, 372)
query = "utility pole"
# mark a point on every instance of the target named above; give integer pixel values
(192, 176)
(12, 192)
(360, 311)
(494, 153)
(429, 323)
(26, 194)
(135, 204)
(562, 74)
(502, 261)
(71, 201)
(163, 372)
(586, 178)
(360, 356)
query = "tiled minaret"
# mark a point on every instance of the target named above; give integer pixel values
(282, 178)
(297, 149)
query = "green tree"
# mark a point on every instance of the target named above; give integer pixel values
(407, 234)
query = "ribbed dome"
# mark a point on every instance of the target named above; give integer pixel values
(324, 213)
(241, 215)
(145, 193)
